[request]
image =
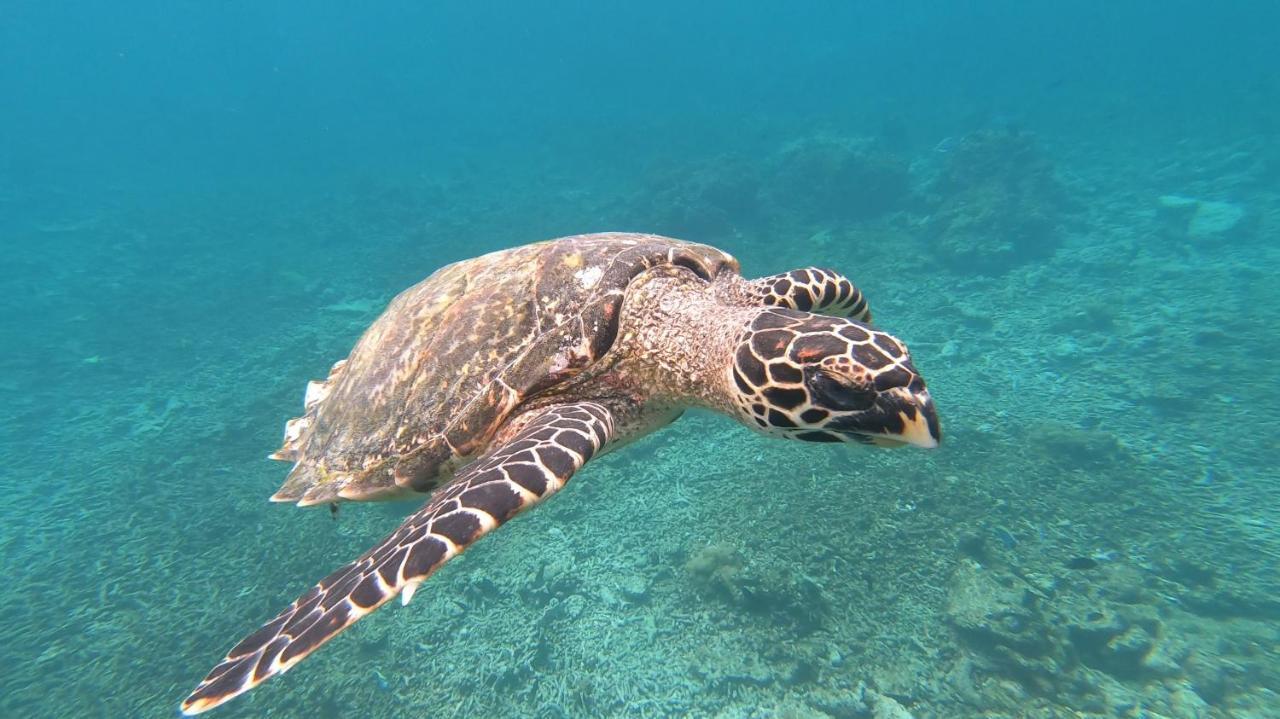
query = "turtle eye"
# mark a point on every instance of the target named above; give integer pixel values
(838, 391)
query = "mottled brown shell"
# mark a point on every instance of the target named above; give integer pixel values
(432, 380)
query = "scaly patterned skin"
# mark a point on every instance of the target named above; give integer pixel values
(678, 328)
(813, 289)
(825, 379)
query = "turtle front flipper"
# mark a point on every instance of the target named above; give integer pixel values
(813, 289)
(535, 462)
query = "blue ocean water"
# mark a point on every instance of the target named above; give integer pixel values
(1068, 212)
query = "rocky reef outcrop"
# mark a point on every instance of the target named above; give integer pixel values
(997, 202)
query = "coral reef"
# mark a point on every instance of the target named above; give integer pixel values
(814, 181)
(996, 202)
(833, 179)
(706, 199)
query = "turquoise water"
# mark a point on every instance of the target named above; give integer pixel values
(1069, 215)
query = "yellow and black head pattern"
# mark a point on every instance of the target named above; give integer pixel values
(830, 379)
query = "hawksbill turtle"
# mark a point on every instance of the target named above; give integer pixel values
(489, 384)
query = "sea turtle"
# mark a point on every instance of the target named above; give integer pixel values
(491, 382)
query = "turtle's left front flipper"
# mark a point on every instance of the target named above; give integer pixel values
(533, 464)
(812, 289)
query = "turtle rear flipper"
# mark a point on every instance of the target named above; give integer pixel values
(533, 464)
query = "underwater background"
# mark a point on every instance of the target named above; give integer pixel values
(1068, 211)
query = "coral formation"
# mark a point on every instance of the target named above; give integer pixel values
(997, 202)
(829, 178)
(817, 180)
(707, 199)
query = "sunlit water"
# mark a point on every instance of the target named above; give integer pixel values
(1069, 215)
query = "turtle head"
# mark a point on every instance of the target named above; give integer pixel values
(830, 379)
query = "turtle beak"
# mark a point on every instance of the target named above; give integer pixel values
(919, 418)
(903, 416)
